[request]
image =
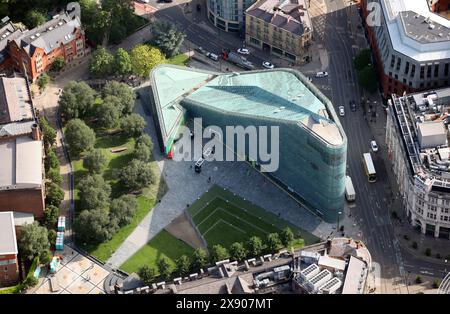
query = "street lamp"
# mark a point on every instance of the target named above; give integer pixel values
(339, 213)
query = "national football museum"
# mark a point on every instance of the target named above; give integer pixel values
(312, 144)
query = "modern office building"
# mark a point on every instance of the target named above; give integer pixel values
(9, 266)
(417, 135)
(228, 15)
(283, 28)
(411, 45)
(312, 143)
(22, 187)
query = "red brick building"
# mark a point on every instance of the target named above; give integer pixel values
(34, 51)
(22, 185)
(9, 266)
(440, 5)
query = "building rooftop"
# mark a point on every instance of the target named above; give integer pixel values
(356, 271)
(50, 35)
(21, 165)
(279, 95)
(21, 218)
(7, 32)
(8, 241)
(415, 31)
(423, 121)
(15, 101)
(290, 15)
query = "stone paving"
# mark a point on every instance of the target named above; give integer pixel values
(76, 274)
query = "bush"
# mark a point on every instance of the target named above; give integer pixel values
(51, 160)
(418, 280)
(54, 176)
(30, 281)
(43, 81)
(436, 284)
(58, 64)
(54, 195)
(48, 133)
(45, 257)
(51, 214)
(52, 237)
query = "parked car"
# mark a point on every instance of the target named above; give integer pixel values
(341, 111)
(268, 65)
(212, 56)
(321, 74)
(243, 51)
(374, 146)
(201, 50)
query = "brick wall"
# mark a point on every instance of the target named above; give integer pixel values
(9, 273)
(28, 200)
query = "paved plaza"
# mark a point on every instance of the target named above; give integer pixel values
(76, 274)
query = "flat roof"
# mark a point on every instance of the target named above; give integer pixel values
(15, 101)
(353, 276)
(21, 165)
(430, 128)
(279, 94)
(21, 218)
(8, 241)
(331, 262)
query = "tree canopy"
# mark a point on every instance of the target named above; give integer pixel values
(367, 77)
(79, 137)
(123, 92)
(273, 242)
(164, 268)
(76, 100)
(95, 161)
(144, 58)
(183, 265)
(136, 175)
(199, 259)
(133, 125)
(101, 63)
(238, 251)
(94, 226)
(122, 62)
(255, 246)
(123, 209)
(33, 241)
(167, 37)
(109, 112)
(94, 192)
(218, 253)
(362, 59)
(34, 18)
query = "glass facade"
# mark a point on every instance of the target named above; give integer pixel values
(230, 12)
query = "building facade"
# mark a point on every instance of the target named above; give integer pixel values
(34, 51)
(417, 139)
(312, 144)
(9, 265)
(22, 187)
(228, 15)
(281, 28)
(411, 45)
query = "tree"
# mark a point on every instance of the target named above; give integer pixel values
(133, 125)
(147, 274)
(362, 59)
(144, 58)
(109, 112)
(101, 63)
(287, 236)
(54, 176)
(76, 100)
(124, 20)
(30, 281)
(136, 175)
(167, 37)
(48, 133)
(79, 137)
(95, 21)
(54, 194)
(45, 257)
(122, 62)
(51, 214)
(94, 192)
(146, 140)
(199, 259)
(93, 226)
(367, 77)
(95, 161)
(164, 268)
(52, 237)
(58, 64)
(273, 242)
(219, 253)
(255, 246)
(123, 209)
(142, 152)
(183, 264)
(123, 92)
(33, 241)
(51, 161)
(237, 251)
(43, 81)
(34, 18)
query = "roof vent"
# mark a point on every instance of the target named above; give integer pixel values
(55, 16)
(38, 34)
(4, 36)
(50, 28)
(33, 37)
(60, 23)
(431, 26)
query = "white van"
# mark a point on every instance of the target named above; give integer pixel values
(350, 194)
(212, 56)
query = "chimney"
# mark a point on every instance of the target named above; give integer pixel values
(35, 132)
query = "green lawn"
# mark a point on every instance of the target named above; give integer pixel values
(162, 245)
(180, 59)
(224, 218)
(146, 200)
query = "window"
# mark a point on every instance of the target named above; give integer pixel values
(413, 70)
(407, 67)
(436, 70)
(399, 63)
(446, 69)
(392, 61)
(422, 71)
(429, 71)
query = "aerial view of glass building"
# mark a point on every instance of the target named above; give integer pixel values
(312, 143)
(228, 15)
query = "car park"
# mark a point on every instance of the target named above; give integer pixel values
(321, 74)
(243, 51)
(268, 65)
(341, 111)
(374, 146)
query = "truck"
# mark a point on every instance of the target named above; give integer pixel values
(350, 194)
(239, 60)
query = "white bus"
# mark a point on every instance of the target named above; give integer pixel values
(350, 193)
(369, 168)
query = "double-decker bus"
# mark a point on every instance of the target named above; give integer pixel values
(369, 168)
